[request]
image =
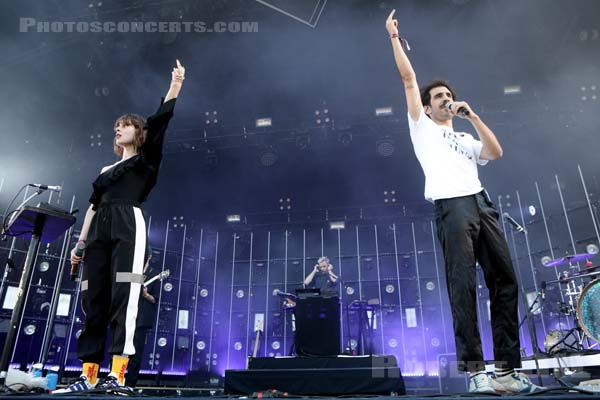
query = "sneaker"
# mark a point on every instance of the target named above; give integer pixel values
(111, 382)
(517, 382)
(481, 383)
(81, 384)
(111, 385)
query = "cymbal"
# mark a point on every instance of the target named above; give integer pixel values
(575, 258)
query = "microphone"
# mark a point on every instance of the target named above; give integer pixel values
(543, 290)
(46, 187)
(514, 223)
(462, 110)
(79, 249)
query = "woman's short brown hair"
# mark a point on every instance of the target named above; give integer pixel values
(138, 123)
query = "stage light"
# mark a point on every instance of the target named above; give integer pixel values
(268, 156)
(349, 290)
(591, 248)
(29, 329)
(411, 317)
(211, 117)
(44, 266)
(385, 147)
(353, 344)
(430, 286)
(237, 346)
(264, 122)
(168, 286)
(384, 111)
(285, 204)
(435, 342)
(393, 343)
(389, 288)
(276, 345)
(204, 293)
(532, 210)
(234, 218)
(545, 260)
(514, 89)
(240, 294)
(200, 345)
(337, 225)
(162, 342)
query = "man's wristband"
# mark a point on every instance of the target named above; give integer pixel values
(403, 42)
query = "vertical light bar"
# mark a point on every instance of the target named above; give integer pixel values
(285, 289)
(231, 299)
(399, 296)
(341, 286)
(562, 201)
(57, 282)
(248, 335)
(379, 288)
(195, 317)
(358, 265)
(214, 296)
(178, 297)
(322, 244)
(587, 198)
(412, 224)
(439, 285)
(557, 273)
(520, 283)
(164, 260)
(533, 274)
(303, 254)
(268, 294)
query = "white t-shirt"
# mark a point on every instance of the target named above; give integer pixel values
(449, 159)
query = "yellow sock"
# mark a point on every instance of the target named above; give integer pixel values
(90, 370)
(119, 366)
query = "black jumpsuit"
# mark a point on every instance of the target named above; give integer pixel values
(116, 243)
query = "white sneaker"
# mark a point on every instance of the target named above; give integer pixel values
(481, 383)
(517, 382)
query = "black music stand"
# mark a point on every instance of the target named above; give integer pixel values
(43, 223)
(317, 326)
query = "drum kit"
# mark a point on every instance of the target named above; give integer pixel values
(582, 289)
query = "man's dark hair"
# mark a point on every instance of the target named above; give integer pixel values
(426, 96)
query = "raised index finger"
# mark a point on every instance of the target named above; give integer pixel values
(178, 63)
(391, 14)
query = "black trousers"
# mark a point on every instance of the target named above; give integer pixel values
(135, 361)
(112, 280)
(469, 232)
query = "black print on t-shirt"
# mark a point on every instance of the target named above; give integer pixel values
(455, 145)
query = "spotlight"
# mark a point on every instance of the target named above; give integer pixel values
(203, 293)
(591, 248)
(168, 286)
(385, 147)
(337, 225)
(237, 346)
(393, 343)
(532, 210)
(322, 116)
(44, 266)
(514, 89)
(268, 156)
(29, 329)
(211, 117)
(162, 342)
(350, 290)
(389, 288)
(276, 345)
(384, 111)
(240, 294)
(200, 345)
(435, 342)
(285, 204)
(264, 122)
(430, 286)
(545, 260)
(234, 218)
(345, 138)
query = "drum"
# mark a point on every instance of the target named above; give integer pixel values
(588, 310)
